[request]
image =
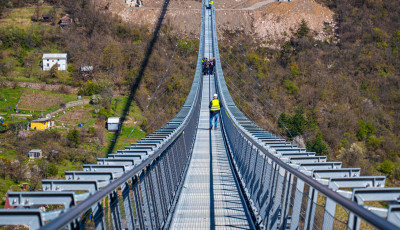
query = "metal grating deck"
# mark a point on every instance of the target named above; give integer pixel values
(210, 198)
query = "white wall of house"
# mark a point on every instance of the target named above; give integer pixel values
(55, 59)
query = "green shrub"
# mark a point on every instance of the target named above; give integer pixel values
(365, 129)
(3, 128)
(291, 86)
(112, 57)
(387, 167)
(187, 46)
(285, 54)
(347, 139)
(396, 43)
(294, 70)
(53, 73)
(296, 124)
(12, 37)
(105, 112)
(90, 88)
(48, 169)
(374, 142)
(71, 68)
(303, 29)
(73, 137)
(318, 145)
(379, 35)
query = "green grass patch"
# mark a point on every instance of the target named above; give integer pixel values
(7, 153)
(9, 97)
(23, 16)
(136, 135)
(5, 185)
(68, 166)
(118, 105)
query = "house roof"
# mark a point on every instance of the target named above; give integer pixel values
(113, 120)
(87, 68)
(54, 55)
(42, 120)
(35, 151)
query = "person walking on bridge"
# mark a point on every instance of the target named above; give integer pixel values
(215, 106)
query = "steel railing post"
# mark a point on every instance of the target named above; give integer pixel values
(138, 202)
(98, 217)
(286, 200)
(297, 203)
(115, 210)
(276, 206)
(311, 205)
(128, 205)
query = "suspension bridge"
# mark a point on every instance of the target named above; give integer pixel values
(184, 176)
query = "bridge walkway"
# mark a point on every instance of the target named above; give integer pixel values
(210, 198)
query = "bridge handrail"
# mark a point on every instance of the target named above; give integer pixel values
(226, 113)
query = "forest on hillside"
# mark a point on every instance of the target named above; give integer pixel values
(338, 97)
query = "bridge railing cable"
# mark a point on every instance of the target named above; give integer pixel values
(287, 187)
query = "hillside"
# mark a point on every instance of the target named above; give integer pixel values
(339, 99)
(128, 63)
(268, 21)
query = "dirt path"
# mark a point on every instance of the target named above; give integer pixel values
(259, 4)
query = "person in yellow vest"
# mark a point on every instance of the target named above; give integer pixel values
(210, 2)
(215, 106)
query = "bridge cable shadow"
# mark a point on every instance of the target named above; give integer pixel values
(134, 87)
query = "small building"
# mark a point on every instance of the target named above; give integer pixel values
(134, 3)
(66, 20)
(86, 68)
(35, 154)
(113, 124)
(51, 59)
(24, 186)
(42, 124)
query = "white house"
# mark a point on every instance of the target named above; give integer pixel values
(55, 59)
(113, 124)
(35, 154)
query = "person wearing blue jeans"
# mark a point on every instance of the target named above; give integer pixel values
(215, 106)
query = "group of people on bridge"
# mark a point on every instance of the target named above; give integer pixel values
(208, 66)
